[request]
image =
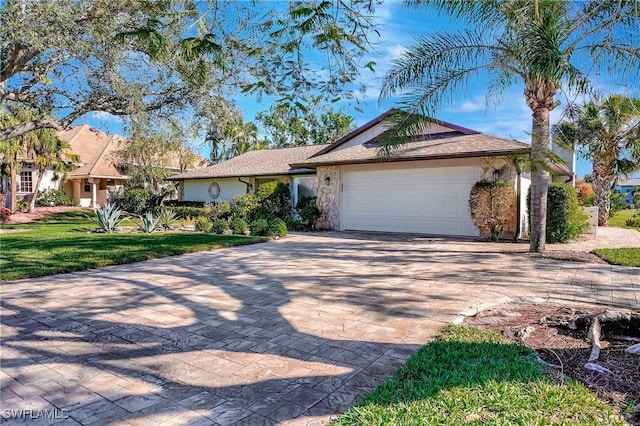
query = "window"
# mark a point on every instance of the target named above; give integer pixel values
(87, 186)
(26, 181)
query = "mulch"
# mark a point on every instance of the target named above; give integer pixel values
(569, 350)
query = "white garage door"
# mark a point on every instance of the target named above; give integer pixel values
(429, 201)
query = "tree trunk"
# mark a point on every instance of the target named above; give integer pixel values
(32, 204)
(602, 183)
(14, 189)
(539, 178)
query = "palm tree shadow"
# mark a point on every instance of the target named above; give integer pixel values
(246, 361)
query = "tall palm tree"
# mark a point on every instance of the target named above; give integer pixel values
(609, 132)
(233, 140)
(50, 153)
(547, 46)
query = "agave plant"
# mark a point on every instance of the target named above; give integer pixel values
(108, 217)
(167, 218)
(148, 222)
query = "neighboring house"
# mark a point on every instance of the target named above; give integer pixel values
(98, 172)
(423, 188)
(626, 187)
(244, 173)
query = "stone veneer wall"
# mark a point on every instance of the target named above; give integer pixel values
(507, 173)
(504, 164)
(328, 197)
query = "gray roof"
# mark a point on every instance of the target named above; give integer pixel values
(629, 182)
(267, 162)
(444, 146)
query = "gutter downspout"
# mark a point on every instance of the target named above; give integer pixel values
(249, 186)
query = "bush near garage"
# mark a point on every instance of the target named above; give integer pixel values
(309, 212)
(490, 204)
(277, 227)
(274, 200)
(565, 219)
(260, 227)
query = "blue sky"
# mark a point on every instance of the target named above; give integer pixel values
(398, 28)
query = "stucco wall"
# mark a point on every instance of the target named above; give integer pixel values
(328, 198)
(198, 189)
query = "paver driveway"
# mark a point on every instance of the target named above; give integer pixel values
(287, 331)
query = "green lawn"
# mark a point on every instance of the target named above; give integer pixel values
(620, 256)
(469, 376)
(620, 218)
(64, 243)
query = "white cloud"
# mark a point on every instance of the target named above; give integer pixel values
(105, 117)
(469, 106)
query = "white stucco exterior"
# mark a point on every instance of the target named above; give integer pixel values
(198, 189)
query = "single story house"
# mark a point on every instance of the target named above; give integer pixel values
(626, 187)
(422, 188)
(244, 173)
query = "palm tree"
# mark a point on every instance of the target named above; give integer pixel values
(233, 140)
(547, 46)
(50, 152)
(609, 132)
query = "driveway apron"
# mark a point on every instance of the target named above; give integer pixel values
(287, 332)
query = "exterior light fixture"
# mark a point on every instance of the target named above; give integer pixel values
(496, 174)
(327, 180)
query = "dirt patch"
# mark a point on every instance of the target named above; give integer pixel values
(544, 329)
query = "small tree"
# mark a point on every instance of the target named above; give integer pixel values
(490, 204)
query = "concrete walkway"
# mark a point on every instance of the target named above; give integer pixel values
(292, 331)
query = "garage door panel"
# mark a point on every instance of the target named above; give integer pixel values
(432, 201)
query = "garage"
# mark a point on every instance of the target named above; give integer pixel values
(413, 200)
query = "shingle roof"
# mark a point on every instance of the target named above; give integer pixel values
(267, 162)
(629, 182)
(443, 146)
(96, 150)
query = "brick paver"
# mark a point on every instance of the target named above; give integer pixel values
(292, 331)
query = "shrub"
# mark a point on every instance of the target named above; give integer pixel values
(108, 217)
(277, 227)
(633, 221)
(274, 200)
(244, 207)
(22, 206)
(309, 211)
(203, 224)
(293, 224)
(177, 203)
(260, 227)
(52, 197)
(218, 210)
(219, 226)
(167, 218)
(136, 201)
(617, 203)
(187, 211)
(5, 214)
(565, 219)
(238, 225)
(148, 222)
(490, 205)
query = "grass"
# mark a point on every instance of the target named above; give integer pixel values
(621, 217)
(64, 243)
(470, 376)
(620, 256)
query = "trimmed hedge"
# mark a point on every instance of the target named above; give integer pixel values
(183, 212)
(565, 219)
